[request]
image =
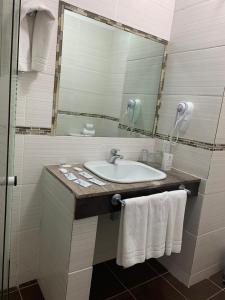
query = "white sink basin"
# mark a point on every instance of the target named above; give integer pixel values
(124, 171)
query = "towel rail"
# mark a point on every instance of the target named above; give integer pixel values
(117, 198)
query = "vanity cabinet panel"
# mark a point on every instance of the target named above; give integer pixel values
(83, 243)
(56, 230)
(79, 284)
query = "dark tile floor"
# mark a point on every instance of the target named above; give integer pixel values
(27, 291)
(147, 281)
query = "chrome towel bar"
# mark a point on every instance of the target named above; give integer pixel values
(117, 198)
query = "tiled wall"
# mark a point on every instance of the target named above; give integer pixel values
(196, 73)
(34, 108)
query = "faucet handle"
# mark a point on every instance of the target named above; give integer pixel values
(114, 151)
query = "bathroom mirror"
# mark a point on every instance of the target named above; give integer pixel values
(108, 77)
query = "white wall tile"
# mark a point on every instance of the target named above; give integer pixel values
(83, 244)
(209, 250)
(212, 213)
(204, 120)
(40, 151)
(195, 161)
(215, 182)
(18, 157)
(28, 255)
(202, 25)
(199, 72)
(145, 16)
(79, 284)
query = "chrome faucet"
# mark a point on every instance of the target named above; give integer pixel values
(114, 156)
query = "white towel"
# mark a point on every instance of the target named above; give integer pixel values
(176, 203)
(36, 31)
(132, 232)
(157, 225)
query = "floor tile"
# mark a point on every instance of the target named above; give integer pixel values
(132, 276)
(124, 296)
(158, 289)
(104, 285)
(159, 268)
(220, 296)
(200, 291)
(26, 284)
(218, 279)
(13, 296)
(32, 293)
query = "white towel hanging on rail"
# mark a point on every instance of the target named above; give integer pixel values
(36, 31)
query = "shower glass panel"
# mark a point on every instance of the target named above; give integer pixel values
(9, 16)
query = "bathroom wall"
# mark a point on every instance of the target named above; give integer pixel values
(34, 109)
(196, 73)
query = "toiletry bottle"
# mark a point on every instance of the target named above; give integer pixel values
(167, 161)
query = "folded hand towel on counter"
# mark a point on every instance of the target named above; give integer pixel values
(176, 205)
(36, 31)
(158, 210)
(133, 232)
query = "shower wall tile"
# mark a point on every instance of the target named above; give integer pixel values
(203, 26)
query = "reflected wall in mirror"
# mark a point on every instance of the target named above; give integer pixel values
(107, 78)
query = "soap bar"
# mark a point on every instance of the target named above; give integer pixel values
(82, 183)
(98, 182)
(63, 170)
(66, 166)
(78, 169)
(86, 175)
(70, 176)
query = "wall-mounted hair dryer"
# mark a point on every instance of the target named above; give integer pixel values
(182, 120)
(183, 116)
(133, 110)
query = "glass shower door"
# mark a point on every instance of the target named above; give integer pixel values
(9, 15)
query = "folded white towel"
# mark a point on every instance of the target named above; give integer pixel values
(176, 203)
(36, 31)
(132, 232)
(157, 225)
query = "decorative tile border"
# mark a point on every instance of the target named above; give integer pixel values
(136, 130)
(193, 143)
(89, 115)
(33, 130)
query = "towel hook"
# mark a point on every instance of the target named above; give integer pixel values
(116, 199)
(182, 187)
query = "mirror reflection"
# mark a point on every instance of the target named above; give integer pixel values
(109, 80)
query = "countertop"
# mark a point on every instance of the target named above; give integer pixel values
(96, 200)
